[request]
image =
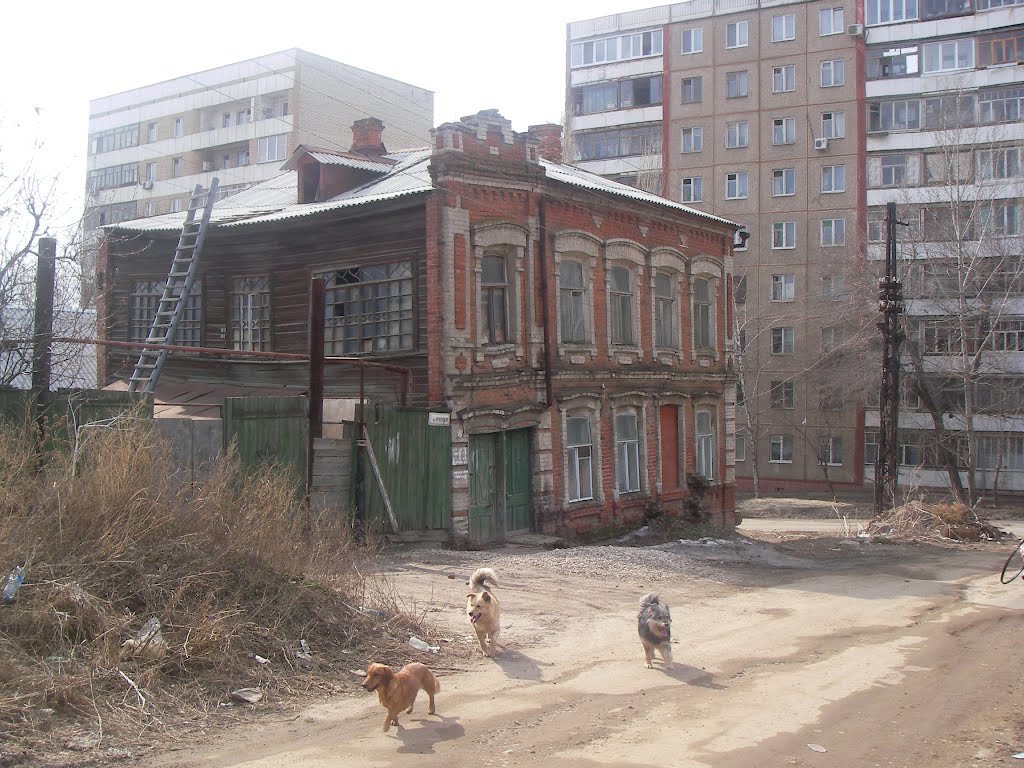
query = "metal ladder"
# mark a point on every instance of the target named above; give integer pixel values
(180, 278)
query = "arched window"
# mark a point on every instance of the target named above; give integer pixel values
(494, 293)
(627, 452)
(705, 444)
(703, 315)
(620, 294)
(572, 302)
(579, 449)
(666, 315)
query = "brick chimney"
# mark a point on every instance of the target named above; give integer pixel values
(550, 137)
(366, 137)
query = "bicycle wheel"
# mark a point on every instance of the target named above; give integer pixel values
(1014, 564)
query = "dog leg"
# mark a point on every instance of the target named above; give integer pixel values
(494, 643)
(387, 721)
(666, 655)
(649, 656)
(481, 638)
(431, 710)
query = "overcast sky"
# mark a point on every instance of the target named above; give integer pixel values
(58, 54)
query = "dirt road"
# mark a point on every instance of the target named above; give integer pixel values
(879, 654)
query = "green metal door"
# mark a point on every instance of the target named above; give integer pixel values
(481, 487)
(517, 481)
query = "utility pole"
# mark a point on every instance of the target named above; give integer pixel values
(890, 304)
(42, 331)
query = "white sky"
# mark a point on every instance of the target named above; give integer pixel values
(56, 55)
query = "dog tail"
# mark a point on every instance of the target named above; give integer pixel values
(478, 581)
(651, 598)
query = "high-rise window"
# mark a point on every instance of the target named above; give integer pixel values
(784, 78)
(271, 148)
(830, 21)
(692, 140)
(780, 449)
(692, 40)
(783, 235)
(692, 90)
(832, 73)
(692, 189)
(783, 182)
(735, 84)
(783, 287)
(783, 340)
(783, 27)
(737, 34)
(736, 185)
(736, 134)
(833, 232)
(889, 11)
(784, 130)
(833, 125)
(833, 178)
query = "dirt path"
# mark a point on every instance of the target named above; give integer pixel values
(883, 655)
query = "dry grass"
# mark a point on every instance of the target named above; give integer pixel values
(232, 568)
(920, 521)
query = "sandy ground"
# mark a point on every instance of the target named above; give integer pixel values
(801, 651)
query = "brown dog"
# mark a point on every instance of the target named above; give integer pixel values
(484, 611)
(398, 690)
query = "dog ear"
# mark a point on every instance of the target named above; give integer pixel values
(471, 594)
(487, 596)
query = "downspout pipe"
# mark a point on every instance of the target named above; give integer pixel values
(546, 273)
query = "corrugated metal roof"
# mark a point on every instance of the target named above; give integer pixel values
(567, 174)
(362, 164)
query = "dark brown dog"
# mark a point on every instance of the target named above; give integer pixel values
(398, 690)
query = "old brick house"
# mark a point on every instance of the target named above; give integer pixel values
(577, 330)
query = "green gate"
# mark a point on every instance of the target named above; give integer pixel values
(500, 481)
(69, 409)
(414, 459)
(518, 480)
(269, 431)
(482, 482)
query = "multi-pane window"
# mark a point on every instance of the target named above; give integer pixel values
(152, 131)
(368, 309)
(573, 302)
(177, 167)
(145, 299)
(870, 446)
(692, 89)
(705, 443)
(179, 127)
(1007, 336)
(876, 226)
(832, 338)
(888, 11)
(634, 45)
(735, 84)
(1002, 163)
(784, 78)
(948, 56)
(830, 21)
(736, 134)
(244, 116)
(692, 140)
(784, 130)
(894, 170)
(833, 125)
(830, 397)
(114, 138)
(737, 34)
(703, 334)
(783, 235)
(620, 296)
(833, 178)
(783, 182)
(1005, 47)
(494, 297)
(783, 340)
(665, 312)
(618, 142)
(741, 447)
(692, 189)
(624, 94)
(735, 185)
(783, 394)
(627, 453)
(783, 27)
(101, 215)
(1001, 452)
(783, 287)
(830, 450)
(150, 171)
(948, 112)
(113, 176)
(1003, 219)
(1003, 105)
(833, 73)
(780, 449)
(242, 158)
(250, 314)
(899, 115)
(832, 286)
(271, 148)
(833, 232)
(692, 40)
(579, 458)
(884, 63)
(175, 205)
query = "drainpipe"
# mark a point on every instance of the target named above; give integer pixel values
(545, 320)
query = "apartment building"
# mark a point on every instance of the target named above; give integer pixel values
(944, 98)
(150, 146)
(750, 111)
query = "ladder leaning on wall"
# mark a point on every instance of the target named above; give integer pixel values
(180, 278)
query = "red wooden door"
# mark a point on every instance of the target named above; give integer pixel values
(669, 447)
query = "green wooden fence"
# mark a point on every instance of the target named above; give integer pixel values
(269, 431)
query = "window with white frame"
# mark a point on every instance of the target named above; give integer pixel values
(692, 89)
(830, 450)
(832, 338)
(494, 298)
(152, 132)
(897, 115)
(833, 178)
(692, 189)
(250, 314)
(176, 205)
(833, 125)
(783, 28)
(692, 40)
(579, 451)
(1002, 163)
(832, 287)
(703, 315)
(692, 140)
(1003, 218)
(830, 21)
(149, 209)
(833, 73)
(784, 130)
(948, 56)
(244, 116)
(783, 235)
(242, 158)
(1003, 105)
(112, 176)
(894, 170)
(1001, 452)
(150, 171)
(572, 302)
(783, 340)
(783, 182)
(889, 11)
(633, 45)
(736, 185)
(784, 78)
(225, 120)
(704, 444)
(736, 84)
(177, 166)
(741, 446)
(620, 300)
(736, 134)
(833, 232)
(144, 301)
(179, 127)
(783, 287)
(271, 148)
(666, 313)
(782, 394)
(368, 308)
(780, 449)
(737, 34)
(627, 453)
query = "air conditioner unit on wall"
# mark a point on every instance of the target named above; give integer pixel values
(855, 30)
(147, 184)
(821, 143)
